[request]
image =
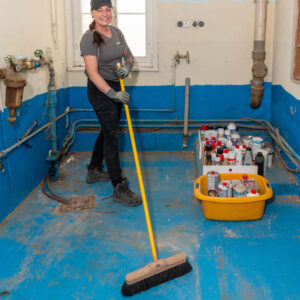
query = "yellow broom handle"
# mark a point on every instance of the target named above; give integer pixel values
(138, 169)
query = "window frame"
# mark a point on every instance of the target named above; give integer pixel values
(73, 36)
(296, 47)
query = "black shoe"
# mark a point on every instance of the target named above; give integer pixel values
(123, 194)
(96, 175)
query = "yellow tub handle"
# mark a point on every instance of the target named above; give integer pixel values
(269, 191)
(197, 186)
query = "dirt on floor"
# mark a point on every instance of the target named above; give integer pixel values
(77, 203)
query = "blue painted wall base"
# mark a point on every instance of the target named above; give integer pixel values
(25, 167)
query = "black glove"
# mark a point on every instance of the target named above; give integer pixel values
(120, 97)
(123, 72)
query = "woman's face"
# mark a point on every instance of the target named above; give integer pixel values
(102, 15)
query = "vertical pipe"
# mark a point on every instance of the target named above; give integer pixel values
(259, 69)
(52, 101)
(186, 111)
(54, 22)
(260, 20)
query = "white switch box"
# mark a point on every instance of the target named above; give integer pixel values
(186, 24)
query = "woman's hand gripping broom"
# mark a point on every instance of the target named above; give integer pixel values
(160, 270)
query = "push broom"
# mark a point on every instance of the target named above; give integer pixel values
(160, 270)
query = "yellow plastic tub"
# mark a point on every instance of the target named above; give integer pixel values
(233, 209)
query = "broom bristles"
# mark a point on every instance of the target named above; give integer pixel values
(156, 279)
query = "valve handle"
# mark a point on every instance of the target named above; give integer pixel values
(36, 64)
(9, 59)
(38, 53)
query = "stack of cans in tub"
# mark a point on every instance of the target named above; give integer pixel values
(225, 146)
(247, 187)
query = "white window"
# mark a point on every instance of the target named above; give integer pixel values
(135, 18)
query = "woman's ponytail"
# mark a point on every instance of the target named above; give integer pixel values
(98, 39)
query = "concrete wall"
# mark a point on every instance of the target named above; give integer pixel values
(25, 27)
(220, 51)
(285, 104)
(284, 38)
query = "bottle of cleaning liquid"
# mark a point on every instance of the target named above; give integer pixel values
(239, 159)
(259, 161)
(253, 193)
(248, 156)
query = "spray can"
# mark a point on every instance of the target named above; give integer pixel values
(248, 156)
(270, 159)
(208, 158)
(235, 139)
(243, 149)
(224, 189)
(221, 132)
(259, 161)
(232, 128)
(212, 180)
(227, 133)
(203, 129)
(231, 158)
(239, 159)
(226, 156)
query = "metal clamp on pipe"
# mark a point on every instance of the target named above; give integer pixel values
(180, 56)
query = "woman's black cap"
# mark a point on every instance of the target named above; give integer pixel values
(96, 4)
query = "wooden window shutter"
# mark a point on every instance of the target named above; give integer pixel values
(297, 46)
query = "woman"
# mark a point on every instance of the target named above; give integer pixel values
(102, 47)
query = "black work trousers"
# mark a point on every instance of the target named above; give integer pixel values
(107, 144)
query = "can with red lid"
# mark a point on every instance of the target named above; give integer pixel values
(225, 189)
(212, 180)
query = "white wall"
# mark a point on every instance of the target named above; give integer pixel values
(25, 27)
(220, 52)
(284, 37)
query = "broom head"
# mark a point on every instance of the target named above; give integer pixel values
(155, 273)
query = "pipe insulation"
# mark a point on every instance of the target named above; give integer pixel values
(260, 20)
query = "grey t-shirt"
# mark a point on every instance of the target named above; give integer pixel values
(108, 54)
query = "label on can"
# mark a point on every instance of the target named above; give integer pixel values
(257, 142)
(212, 180)
(239, 190)
(225, 189)
(250, 184)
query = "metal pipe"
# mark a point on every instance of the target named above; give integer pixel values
(276, 134)
(4, 153)
(5, 143)
(244, 120)
(52, 101)
(186, 111)
(259, 68)
(284, 142)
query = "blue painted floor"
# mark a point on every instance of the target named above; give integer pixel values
(46, 254)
